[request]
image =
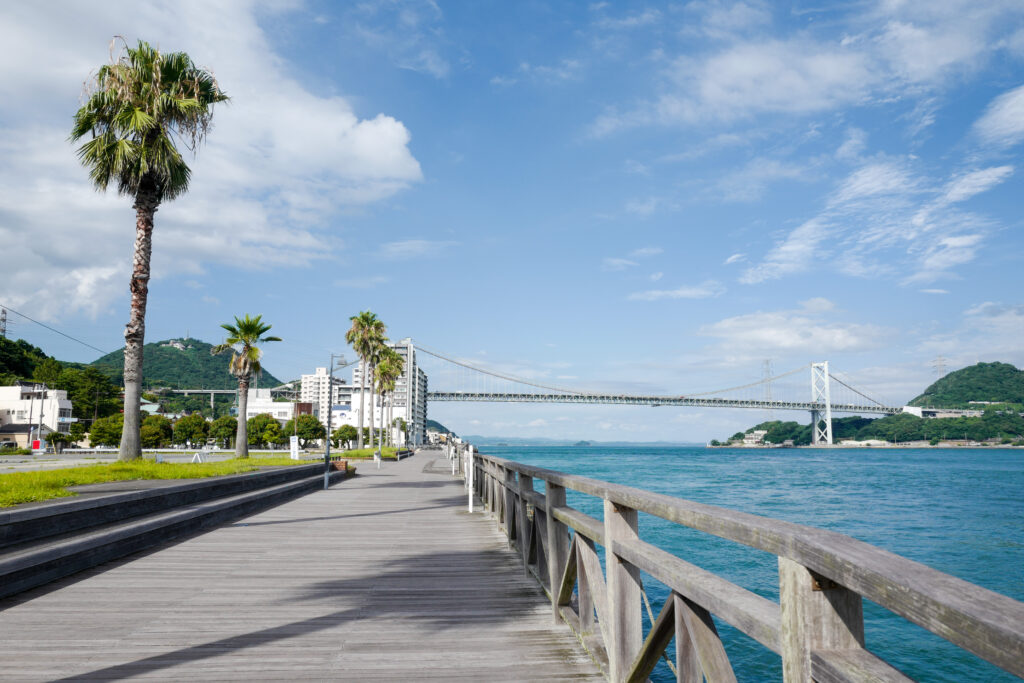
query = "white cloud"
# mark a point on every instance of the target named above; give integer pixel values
(409, 32)
(889, 51)
(646, 251)
(853, 145)
(935, 291)
(643, 207)
(805, 330)
(887, 220)
(615, 264)
(705, 290)
(750, 182)
(410, 249)
(874, 179)
(940, 257)
(1002, 124)
(976, 182)
(735, 258)
(645, 18)
(989, 331)
(280, 162)
(367, 282)
(654, 277)
(792, 255)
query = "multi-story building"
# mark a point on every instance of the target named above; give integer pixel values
(409, 400)
(30, 411)
(315, 390)
(260, 401)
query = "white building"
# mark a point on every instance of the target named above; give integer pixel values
(33, 408)
(260, 401)
(409, 400)
(315, 390)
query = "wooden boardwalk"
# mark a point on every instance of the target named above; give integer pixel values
(383, 577)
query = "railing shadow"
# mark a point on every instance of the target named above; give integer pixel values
(428, 588)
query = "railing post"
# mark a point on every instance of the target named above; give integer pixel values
(624, 588)
(817, 614)
(470, 476)
(510, 505)
(558, 543)
(525, 531)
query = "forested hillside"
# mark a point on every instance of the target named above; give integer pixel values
(179, 364)
(992, 382)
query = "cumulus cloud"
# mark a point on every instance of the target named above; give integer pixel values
(279, 164)
(804, 330)
(888, 50)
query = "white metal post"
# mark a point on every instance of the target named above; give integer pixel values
(469, 459)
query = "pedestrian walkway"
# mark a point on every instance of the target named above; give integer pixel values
(384, 577)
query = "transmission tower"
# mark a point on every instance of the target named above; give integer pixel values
(939, 366)
(767, 371)
(3, 323)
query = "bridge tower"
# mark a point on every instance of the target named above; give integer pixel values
(821, 418)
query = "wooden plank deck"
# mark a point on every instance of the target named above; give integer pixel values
(383, 577)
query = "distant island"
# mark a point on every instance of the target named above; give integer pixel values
(582, 443)
(981, 404)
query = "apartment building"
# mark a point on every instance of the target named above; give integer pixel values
(30, 410)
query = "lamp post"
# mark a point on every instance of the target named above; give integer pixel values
(330, 406)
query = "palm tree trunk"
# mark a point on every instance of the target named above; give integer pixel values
(242, 436)
(373, 408)
(146, 202)
(362, 405)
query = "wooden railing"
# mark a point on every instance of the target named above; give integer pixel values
(817, 626)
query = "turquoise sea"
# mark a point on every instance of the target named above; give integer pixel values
(960, 511)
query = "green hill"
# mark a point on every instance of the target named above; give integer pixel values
(993, 382)
(179, 364)
(434, 424)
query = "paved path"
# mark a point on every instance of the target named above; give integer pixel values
(383, 577)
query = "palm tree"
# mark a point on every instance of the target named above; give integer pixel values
(365, 334)
(136, 109)
(389, 369)
(242, 339)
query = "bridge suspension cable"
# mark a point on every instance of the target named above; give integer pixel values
(492, 373)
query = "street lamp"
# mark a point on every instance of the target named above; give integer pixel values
(330, 410)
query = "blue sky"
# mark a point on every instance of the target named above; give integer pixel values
(642, 197)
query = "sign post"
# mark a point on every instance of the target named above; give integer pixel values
(294, 440)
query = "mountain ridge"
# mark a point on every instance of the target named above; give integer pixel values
(182, 363)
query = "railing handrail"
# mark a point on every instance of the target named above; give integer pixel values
(979, 620)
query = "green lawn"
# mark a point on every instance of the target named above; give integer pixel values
(387, 453)
(25, 487)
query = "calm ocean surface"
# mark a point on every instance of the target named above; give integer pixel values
(960, 511)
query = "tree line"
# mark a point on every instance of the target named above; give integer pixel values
(1003, 422)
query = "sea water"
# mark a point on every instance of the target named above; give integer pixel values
(960, 511)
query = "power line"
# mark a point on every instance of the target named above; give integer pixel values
(55, 330)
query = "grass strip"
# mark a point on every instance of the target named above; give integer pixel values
(27, 487)
(387, 453)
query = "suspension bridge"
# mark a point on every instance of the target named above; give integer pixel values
(811, 388)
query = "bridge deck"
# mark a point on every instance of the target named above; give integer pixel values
(384, 577)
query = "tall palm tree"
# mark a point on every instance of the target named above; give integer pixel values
(388, 370)
(365, 335)
(136, 109)
(242, 339)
